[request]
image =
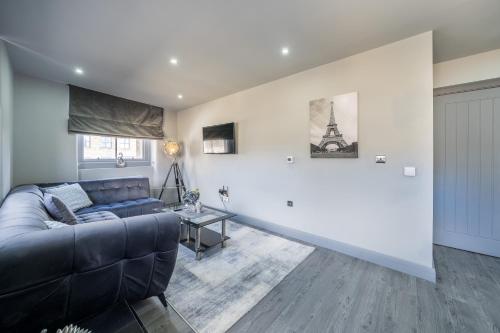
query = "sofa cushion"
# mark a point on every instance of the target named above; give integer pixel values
(96, 216)
(126, 208)
(72, 195)
(58, 209)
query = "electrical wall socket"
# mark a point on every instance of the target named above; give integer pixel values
(289, 203)
(380, 159)
(224, 193)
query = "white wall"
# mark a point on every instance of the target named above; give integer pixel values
(5, 122)
(477, 67)
(43, 149)
(354, 201)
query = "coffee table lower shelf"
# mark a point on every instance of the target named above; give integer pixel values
(209, 238)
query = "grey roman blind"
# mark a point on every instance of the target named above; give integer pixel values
(92, 112)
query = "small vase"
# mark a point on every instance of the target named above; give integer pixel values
(197, 207)
(190, 208)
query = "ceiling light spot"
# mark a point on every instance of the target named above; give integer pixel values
(174, 61)
(180, 96)
(78, 71)
(285, 51)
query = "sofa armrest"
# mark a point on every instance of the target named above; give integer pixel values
(86, 267)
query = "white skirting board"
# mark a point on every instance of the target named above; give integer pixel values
(394, 263)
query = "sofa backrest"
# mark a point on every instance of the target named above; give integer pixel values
(104, 191)
(22, 211)
(117, 189)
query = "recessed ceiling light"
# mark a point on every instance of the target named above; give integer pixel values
(78, 71)
(285, 51)
(180, 96)
(174, 61)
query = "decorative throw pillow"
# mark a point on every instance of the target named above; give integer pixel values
(72, 195)
(58, 209)
(54, 224)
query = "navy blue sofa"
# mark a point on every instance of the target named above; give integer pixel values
(51, 277)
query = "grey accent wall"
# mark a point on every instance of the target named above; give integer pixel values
(43, 149)
(5, 122)
(354, 201)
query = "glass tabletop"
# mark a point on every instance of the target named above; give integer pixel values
(207, 215)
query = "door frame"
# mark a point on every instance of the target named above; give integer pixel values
(466, 87)
(466, 242)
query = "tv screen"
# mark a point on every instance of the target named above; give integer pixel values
(219, 139)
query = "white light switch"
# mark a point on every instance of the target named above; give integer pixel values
(409, 171)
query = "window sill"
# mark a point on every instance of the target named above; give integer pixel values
(112, 165)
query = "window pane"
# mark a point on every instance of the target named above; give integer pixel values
(123, 143)
(99, 148)
(106, 142)
(86, 141)
(132, 149)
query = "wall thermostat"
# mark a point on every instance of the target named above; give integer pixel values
(290, 159)
(380, 159)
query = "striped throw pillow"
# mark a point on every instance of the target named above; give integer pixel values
(72, 195)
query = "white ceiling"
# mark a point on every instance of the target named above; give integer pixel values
(223, 46)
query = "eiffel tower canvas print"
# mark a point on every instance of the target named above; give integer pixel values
(334, 126)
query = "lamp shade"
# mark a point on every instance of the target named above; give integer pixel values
(171, 148)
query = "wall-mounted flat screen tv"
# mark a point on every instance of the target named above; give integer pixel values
(219, 139)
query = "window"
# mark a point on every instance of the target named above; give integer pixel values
(101, 151)
(86, 141)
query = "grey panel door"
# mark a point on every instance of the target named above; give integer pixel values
(467, 171)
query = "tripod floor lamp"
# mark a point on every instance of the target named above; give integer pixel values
(172, 149)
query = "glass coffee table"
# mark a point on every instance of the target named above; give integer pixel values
(194, 235)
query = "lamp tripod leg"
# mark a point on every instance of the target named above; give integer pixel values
(165, 182)
(181, 179)
(177, 183)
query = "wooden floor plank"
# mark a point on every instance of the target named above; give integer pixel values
(307, 314)
(399, 305)
(279, 299)
(433, 314)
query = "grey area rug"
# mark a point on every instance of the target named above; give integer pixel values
(214, 293)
